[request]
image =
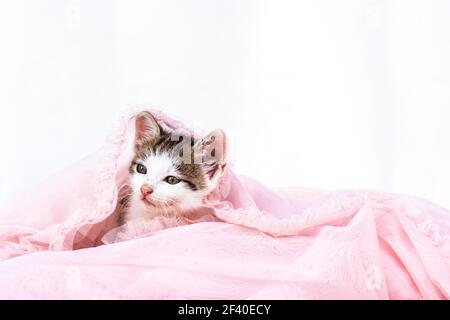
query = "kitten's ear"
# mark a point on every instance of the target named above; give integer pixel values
(146, 128)
(213, 149)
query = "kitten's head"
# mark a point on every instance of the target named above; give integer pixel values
(172, 172)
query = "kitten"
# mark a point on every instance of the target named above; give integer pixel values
(170, 175)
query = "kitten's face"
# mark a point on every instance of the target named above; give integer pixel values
(162, 179)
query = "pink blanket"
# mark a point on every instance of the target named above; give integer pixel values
(248, 242)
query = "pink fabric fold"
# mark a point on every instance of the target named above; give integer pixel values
(248, 241)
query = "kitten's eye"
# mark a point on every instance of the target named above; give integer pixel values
(141, 169)
(172, 180)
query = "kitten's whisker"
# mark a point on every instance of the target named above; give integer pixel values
(166, 211)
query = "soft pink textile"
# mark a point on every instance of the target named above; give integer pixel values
(248, 242)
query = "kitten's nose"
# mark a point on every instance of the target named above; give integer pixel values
(146, 190)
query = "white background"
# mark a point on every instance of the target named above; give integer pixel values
(330, 94)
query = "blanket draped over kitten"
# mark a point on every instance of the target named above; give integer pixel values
(153, 226)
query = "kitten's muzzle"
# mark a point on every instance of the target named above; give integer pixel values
(146, 190)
